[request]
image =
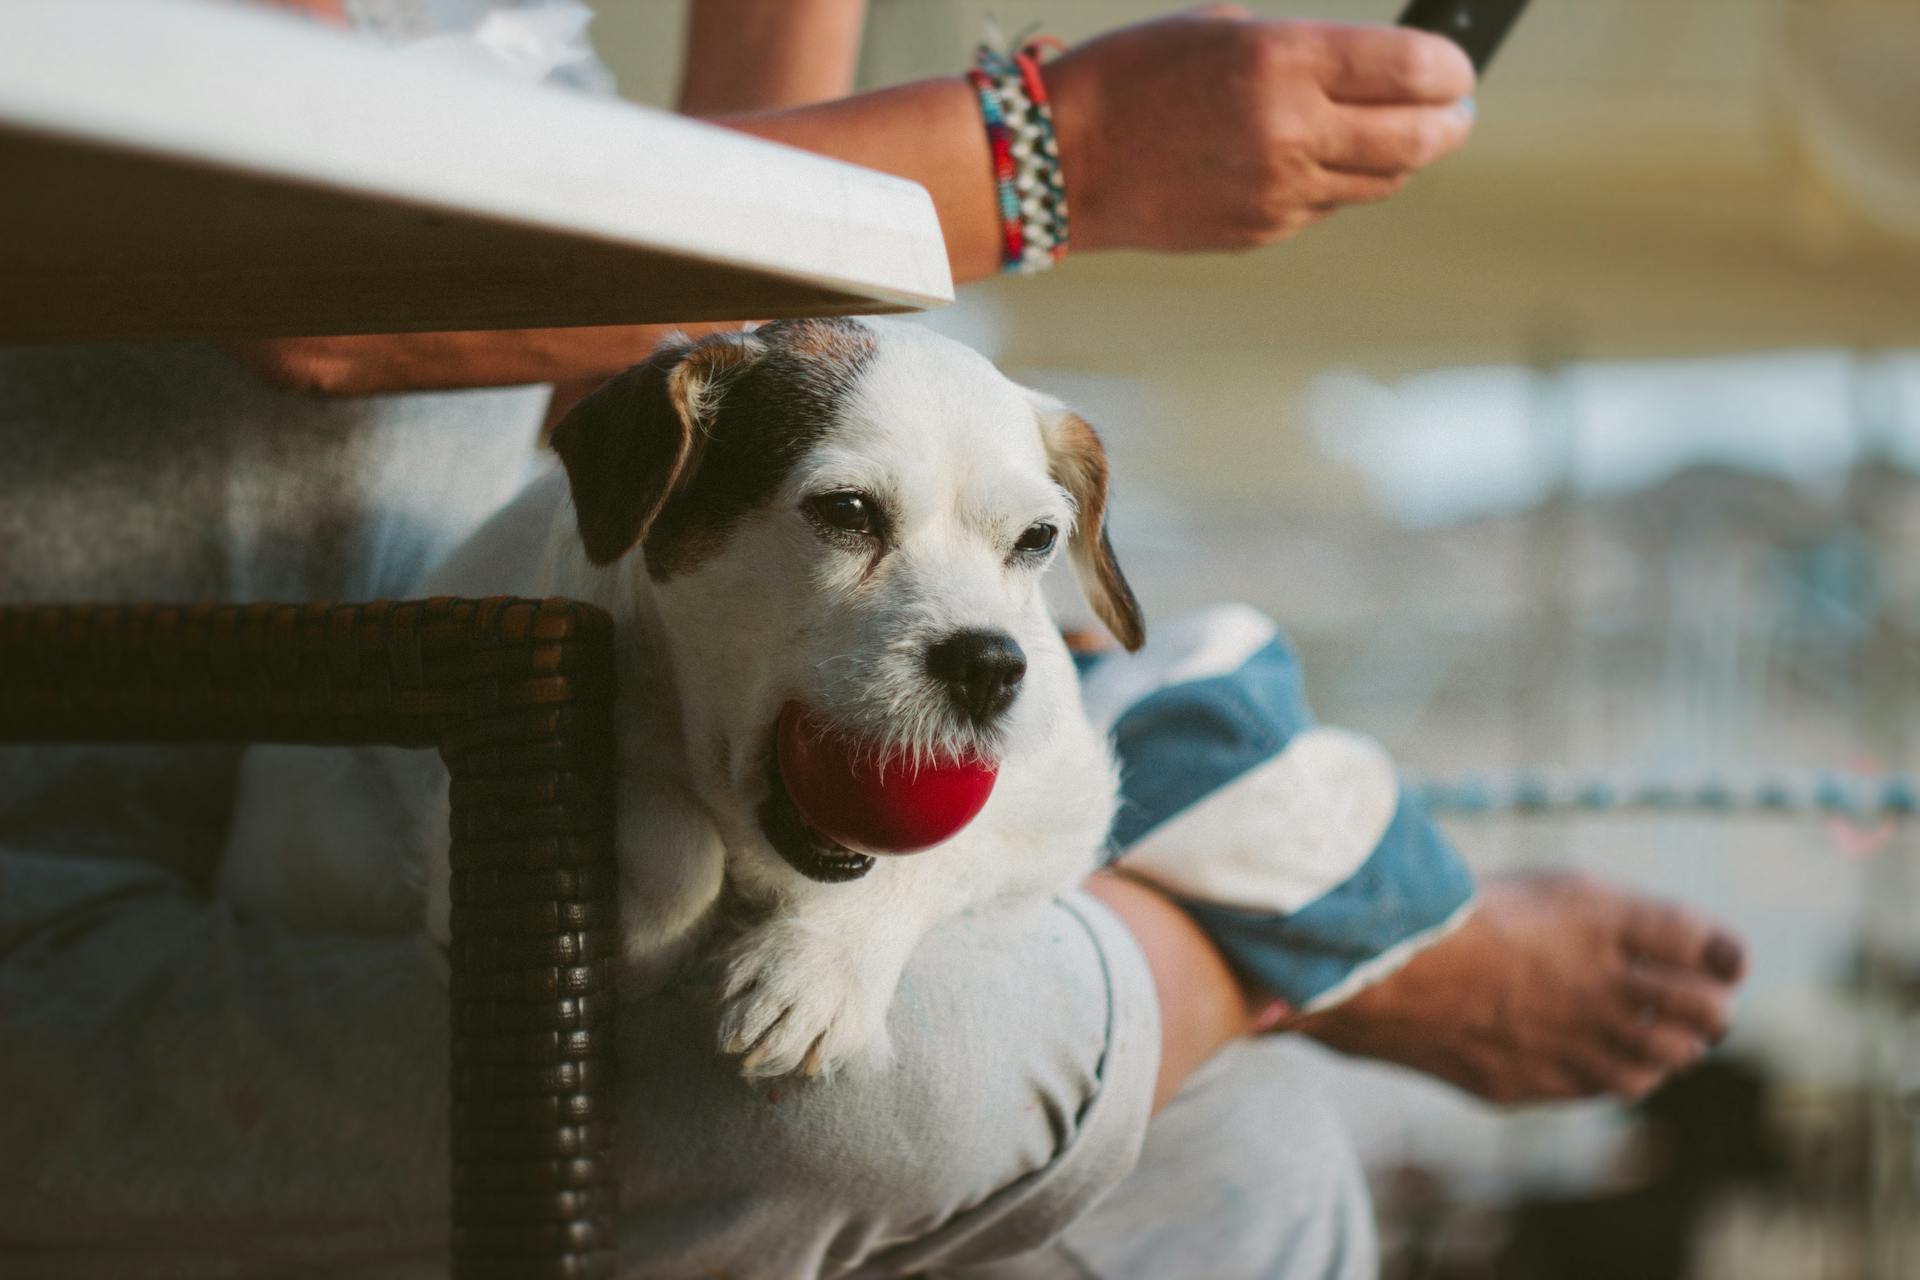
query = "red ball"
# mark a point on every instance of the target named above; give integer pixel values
(847, 796)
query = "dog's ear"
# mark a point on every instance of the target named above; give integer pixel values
(637, 439)
(1078, 462)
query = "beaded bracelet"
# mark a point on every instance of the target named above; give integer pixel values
(1026, 156)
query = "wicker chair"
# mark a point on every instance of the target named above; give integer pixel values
(517, 695)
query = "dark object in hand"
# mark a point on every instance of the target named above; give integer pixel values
(1478, 26)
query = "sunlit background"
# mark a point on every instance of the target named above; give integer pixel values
(1595, 450)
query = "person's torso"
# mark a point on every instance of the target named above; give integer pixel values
(167, 473)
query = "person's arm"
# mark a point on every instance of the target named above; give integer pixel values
(1203, 1006)
(1204, 131)
(740, 55)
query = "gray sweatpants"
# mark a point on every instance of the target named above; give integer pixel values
(1248, 1173)
(189, 1092)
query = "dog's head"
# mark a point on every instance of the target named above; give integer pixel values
(851, 516)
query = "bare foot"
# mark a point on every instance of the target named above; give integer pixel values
(1558, 986)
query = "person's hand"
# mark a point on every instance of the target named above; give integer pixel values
(1211, 130)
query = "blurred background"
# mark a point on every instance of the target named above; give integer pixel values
(1596, 449)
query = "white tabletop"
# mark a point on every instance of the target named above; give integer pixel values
(170, 168)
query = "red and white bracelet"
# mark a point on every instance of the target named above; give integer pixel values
(1032, 194)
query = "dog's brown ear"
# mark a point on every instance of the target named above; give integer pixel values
(637, 439)
(1079, 464)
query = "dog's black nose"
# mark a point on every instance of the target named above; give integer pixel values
(981, 669)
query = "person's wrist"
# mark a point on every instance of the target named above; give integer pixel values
(1030, 191)
(1073, 85)
(1240, 1006)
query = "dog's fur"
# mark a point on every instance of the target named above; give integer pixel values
(694, 481)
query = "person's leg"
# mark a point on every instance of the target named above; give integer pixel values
(191, 1089)
(1294, 851)
(1247, 1175)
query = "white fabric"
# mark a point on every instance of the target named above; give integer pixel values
(1193, 646)
(1337, 792)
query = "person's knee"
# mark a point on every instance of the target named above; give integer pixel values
(1248, 1173)
(1289, 1186)
(1025, 1044)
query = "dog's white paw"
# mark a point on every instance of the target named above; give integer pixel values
(794, 1000)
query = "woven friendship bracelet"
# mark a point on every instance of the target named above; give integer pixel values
(1026, 156)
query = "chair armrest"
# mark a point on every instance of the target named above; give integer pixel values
(518, 697)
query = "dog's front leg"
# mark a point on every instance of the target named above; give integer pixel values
(672, 867)
(808, 989)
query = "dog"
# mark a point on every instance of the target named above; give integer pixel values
(848, 516)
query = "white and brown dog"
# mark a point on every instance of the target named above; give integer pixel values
(847, 516)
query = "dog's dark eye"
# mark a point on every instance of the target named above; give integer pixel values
(1036, 539)
(852, 512)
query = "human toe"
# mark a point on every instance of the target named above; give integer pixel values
(1701, 1006)
(1659, 1047)
(1667, 934)
(1726, 956)
(1630, 1080)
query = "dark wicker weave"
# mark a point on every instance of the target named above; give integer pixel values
(517, 695)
